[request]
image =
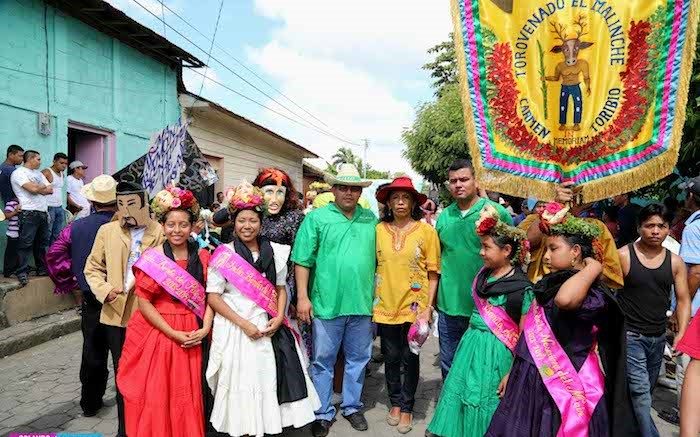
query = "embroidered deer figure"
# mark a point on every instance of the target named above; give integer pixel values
(569, 72)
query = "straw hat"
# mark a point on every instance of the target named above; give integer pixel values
(348, 176)
(102, 189)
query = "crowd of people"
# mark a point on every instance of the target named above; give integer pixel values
(243, 318)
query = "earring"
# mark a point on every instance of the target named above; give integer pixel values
(573, 262)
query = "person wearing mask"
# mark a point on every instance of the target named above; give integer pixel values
(54, 174)
(460, 257)
(13, 158)
(108, 269)
(66, 261)
(78, 205)
(651, 272)
(31, 188)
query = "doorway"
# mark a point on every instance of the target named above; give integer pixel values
(93, 147)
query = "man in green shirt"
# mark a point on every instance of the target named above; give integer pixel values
(335, 257)
(460, 257)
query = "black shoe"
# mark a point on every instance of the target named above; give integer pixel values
(357, 421)
(670, 416)
(320, 428)
(92, 411)
(42, 273)
(23, 280)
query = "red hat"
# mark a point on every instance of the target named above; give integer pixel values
(402, 183)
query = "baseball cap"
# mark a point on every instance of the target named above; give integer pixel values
(693, 185)
(76, 164)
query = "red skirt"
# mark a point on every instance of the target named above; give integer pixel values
(690, 343)
(161, 382)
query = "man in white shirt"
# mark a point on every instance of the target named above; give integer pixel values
(77, 203)
(31, 188)
(55, 176)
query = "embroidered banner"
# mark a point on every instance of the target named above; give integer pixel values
(174, 279)
(589, 91)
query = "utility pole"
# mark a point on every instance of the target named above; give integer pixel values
(364, 158)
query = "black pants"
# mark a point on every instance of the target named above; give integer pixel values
(10, 264)
(98, 341)
(399, 361)
(33, 237)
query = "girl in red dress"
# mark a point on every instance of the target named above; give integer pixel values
(160, 371)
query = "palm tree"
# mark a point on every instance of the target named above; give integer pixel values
(344, 155)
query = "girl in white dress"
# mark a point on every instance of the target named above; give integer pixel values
(256, 369)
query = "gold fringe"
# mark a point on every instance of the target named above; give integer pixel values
(626, 181)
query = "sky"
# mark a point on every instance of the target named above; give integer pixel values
(351, 69)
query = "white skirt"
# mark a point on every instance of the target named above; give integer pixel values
(243, 379)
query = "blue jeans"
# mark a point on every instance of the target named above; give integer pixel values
(33, 239)
(450, 329)
(573, 91)
(354, 333)
(644, 357)
(57, 221)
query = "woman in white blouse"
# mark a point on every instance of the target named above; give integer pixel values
(256, 370)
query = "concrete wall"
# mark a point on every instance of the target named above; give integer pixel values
(78, 74)
(244, 149)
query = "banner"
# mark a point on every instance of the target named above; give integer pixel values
(172, 156)
(589, 91)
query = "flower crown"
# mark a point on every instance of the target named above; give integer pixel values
(245, 196)
(172, 198)
(556, 220)
(489, 223)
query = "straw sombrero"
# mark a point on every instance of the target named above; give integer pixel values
(102, 189)
(349, 176)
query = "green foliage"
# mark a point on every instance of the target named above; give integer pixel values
(437, 136)
(689, 156)
(443, 68)
(345, 155)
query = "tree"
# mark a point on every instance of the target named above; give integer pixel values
(689, 156)
(344, 155)
(437, 136)
(443, 68)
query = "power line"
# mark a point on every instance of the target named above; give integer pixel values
(211, 47)
(239, 62)
(248, 82)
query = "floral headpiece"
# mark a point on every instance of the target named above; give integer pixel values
(245, 196)
(172, 198)
(556, 220)
(489, 223)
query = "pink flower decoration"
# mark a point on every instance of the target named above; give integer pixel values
(553, 208)
(176, 203)
(176, 191)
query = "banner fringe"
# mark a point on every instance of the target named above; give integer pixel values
(623, 182)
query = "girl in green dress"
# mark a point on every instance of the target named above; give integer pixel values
(480, 369)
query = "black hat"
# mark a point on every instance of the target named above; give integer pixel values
(126, 187)
(693, 186)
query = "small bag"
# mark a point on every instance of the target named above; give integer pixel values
(417, 334)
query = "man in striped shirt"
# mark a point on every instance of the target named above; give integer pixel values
(12, 210)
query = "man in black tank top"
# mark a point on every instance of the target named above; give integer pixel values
(651, 272)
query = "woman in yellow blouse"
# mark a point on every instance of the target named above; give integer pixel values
(408, 264)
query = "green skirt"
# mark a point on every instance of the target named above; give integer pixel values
(469, 398)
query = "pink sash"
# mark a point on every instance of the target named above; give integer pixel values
(496, 318)
(576, 394)
(174, 279)
(248, 281)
